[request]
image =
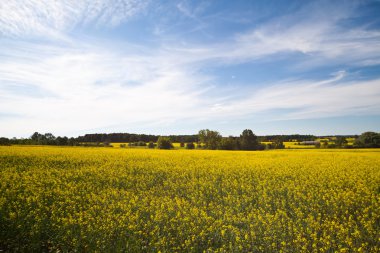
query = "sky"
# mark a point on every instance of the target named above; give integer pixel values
(71, 67)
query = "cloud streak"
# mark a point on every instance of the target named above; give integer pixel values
(54, 18)
(92, 88)
(306, 99)
(87, 85)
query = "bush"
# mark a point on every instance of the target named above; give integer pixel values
(164, 143)
(151, 144)
(228, 144)
(141, 144)
(5, 141)
(368, 140)
(190, 145)
(269, 146)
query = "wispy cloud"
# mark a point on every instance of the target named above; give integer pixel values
(91, 88)
(95, 87)
(54, 18)
(85, 85)
(316, 32)
(305, 99)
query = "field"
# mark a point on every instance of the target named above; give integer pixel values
(75, 199)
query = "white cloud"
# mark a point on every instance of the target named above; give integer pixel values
(305, 99)
(88, 88)
(78, 86)
(316, 32)
(52, 19)
(84, 88)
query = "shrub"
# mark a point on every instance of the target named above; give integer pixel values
(141, 144)
(164, 143)
(5, 141)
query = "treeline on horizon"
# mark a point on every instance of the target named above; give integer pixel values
(206, 139)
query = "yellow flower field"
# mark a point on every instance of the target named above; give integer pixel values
(72, 199)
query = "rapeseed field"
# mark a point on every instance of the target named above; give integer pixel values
(73, 199)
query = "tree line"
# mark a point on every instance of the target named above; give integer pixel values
(205, 139)
(131, 138)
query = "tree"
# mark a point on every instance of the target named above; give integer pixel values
(107, 143)
(36, 137)
(151, 144)
(229, 143)
(190, 145)
(248, 140)
(368, 140)
(164, 143)
(278, 144)
(210, 138)
(4, 141)
(340, 141)
(141, 144)
(49, 137)
(61, 141)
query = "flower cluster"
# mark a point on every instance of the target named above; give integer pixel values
(139, 200)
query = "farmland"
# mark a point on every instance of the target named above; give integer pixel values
(141, 200)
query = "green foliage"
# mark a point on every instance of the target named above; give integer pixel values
(151, 144)
(324, 144)
(229, 143)
(248, 140)
(210, 138)
(190, 145)
(368, 140)
(164, 143)
(278, 144)
(4, 141)
(340, 141)
(141, 143)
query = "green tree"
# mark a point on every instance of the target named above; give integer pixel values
(164, 143)
(36, 138)
(340, 141)
(368, 140)
(248, 140)
(151, 144)
(229, 143)
(278, 144)
(210, 138)
(5, 141)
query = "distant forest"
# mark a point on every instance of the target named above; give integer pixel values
(206, 139)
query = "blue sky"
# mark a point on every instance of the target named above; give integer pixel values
(175, 67)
